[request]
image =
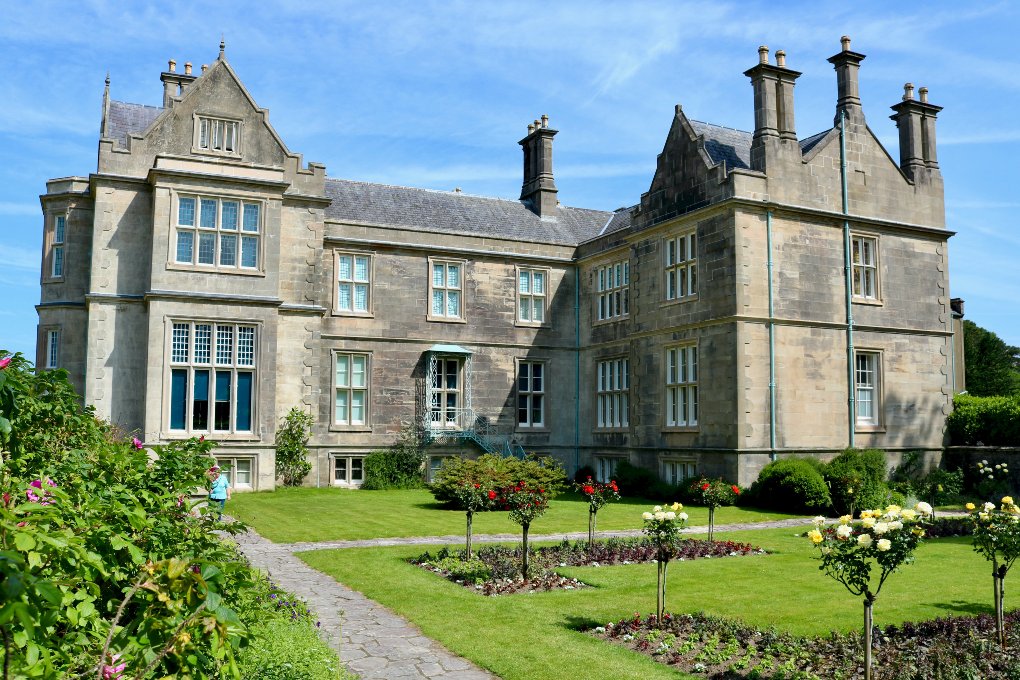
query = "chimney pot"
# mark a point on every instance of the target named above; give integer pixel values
(763, 54)
(924, 95)
(531, 128)
(173, 65)
(545, 121)
(908, 91)
(187, 68)
(780, 58)
(845, 41)
(205, 67)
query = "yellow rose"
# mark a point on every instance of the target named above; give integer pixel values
(816, 536)
(1007, 500)
(970, 506)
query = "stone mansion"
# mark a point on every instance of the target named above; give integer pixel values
(769, 295)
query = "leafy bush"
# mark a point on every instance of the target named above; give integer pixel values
(289, 650)
(493, 471)
(857, 480)
(992, 421)
(292, 447)
(639, 482)
(398, 467)
(791, 485)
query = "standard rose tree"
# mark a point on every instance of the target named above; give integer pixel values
(597, 494)
(526, 504)
(473, 497)
(712, 493)
(997, 537)
(663, 526)
(850, 551)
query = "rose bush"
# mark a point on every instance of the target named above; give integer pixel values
(713, 493)
(663, 526)
(597, 494)
(997, 538)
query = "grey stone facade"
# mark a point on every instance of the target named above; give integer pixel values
(210, 280)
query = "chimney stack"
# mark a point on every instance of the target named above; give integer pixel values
(773, 108)
(539, 189)
(916, 122)
(847, 65)
(174, 83)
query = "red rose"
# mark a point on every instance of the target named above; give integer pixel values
(477, 485)
(588, 490)
(492, 495)
(736, 489)
(704, 487)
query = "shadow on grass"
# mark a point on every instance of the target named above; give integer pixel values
(961, 607)
(581, 623)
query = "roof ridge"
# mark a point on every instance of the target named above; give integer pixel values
(724, 127)
(446, 192)
(148, 106)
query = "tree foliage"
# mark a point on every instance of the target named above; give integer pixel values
(399, 467)
(292, 447)
(992, 366)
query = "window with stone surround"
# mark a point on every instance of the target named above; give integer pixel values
(52, 349)
(348, 469)
(864, 256)
(867, 385)
(217, 135)
(239, 471)
(354, 283)
(530, 394)
(612, 284)
(57, 246)
(212, 377)
(676, 471)
(350, 388)
(219, 233)
(612, 390)
(532, 291)
(682, 386)
(681, 263)
(605, 467)
(446, 290)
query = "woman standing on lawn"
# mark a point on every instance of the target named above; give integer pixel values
(220, 492)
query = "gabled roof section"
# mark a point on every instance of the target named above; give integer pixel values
(725, 145)
(458, 213)
(125, 119)
(809, 143)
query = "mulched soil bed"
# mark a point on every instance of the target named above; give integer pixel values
(495, 570)
(953, 648)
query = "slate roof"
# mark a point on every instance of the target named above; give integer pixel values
(452, 212)
(124, 119)
(619, 221)
(734, 146)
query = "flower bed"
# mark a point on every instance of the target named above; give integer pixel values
(495, 570)
(943, 649)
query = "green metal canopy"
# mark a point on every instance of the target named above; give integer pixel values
(449, 349)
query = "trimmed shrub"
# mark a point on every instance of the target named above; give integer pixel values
(289, 650)
(791, 485)
(639, 482)
(399, 467)
(992, 421)
(856, 480)
(497, 472)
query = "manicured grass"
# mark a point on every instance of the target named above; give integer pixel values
(535, 636)
(290, 515)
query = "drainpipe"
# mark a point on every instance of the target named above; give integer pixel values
(772, 343)
(848, 265)
(577, 369)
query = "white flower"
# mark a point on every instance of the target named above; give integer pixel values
(646, 515)
(657, 508)
(909, 514)
(868, 522)
(671, 516)
(660, 515)
(843, 531)
(893, 510)
(883, 544)
(923, 508)
(864, 540)
(989, 507)
(984, 462)
(682, 516)
(895, 526)
(983, 516)
(818, 521)
(846, 519)
(881, 528)
(998, 466)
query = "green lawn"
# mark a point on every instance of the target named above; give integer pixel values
(289, 515)
(534, 636)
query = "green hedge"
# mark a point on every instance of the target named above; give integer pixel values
(393, 469)
(856, 480)
(791, 485)
(992, 421)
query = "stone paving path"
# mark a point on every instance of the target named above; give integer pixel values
(373, 641)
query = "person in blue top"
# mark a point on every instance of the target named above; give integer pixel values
(220, 492)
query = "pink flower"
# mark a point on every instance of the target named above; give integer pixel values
(137, 442)
(4, 362)
(32, 497)
(50, 482)
(37, 483)
(112, 672)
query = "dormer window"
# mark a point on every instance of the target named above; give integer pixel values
(217, 135)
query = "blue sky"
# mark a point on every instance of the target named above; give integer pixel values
(437, 94)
